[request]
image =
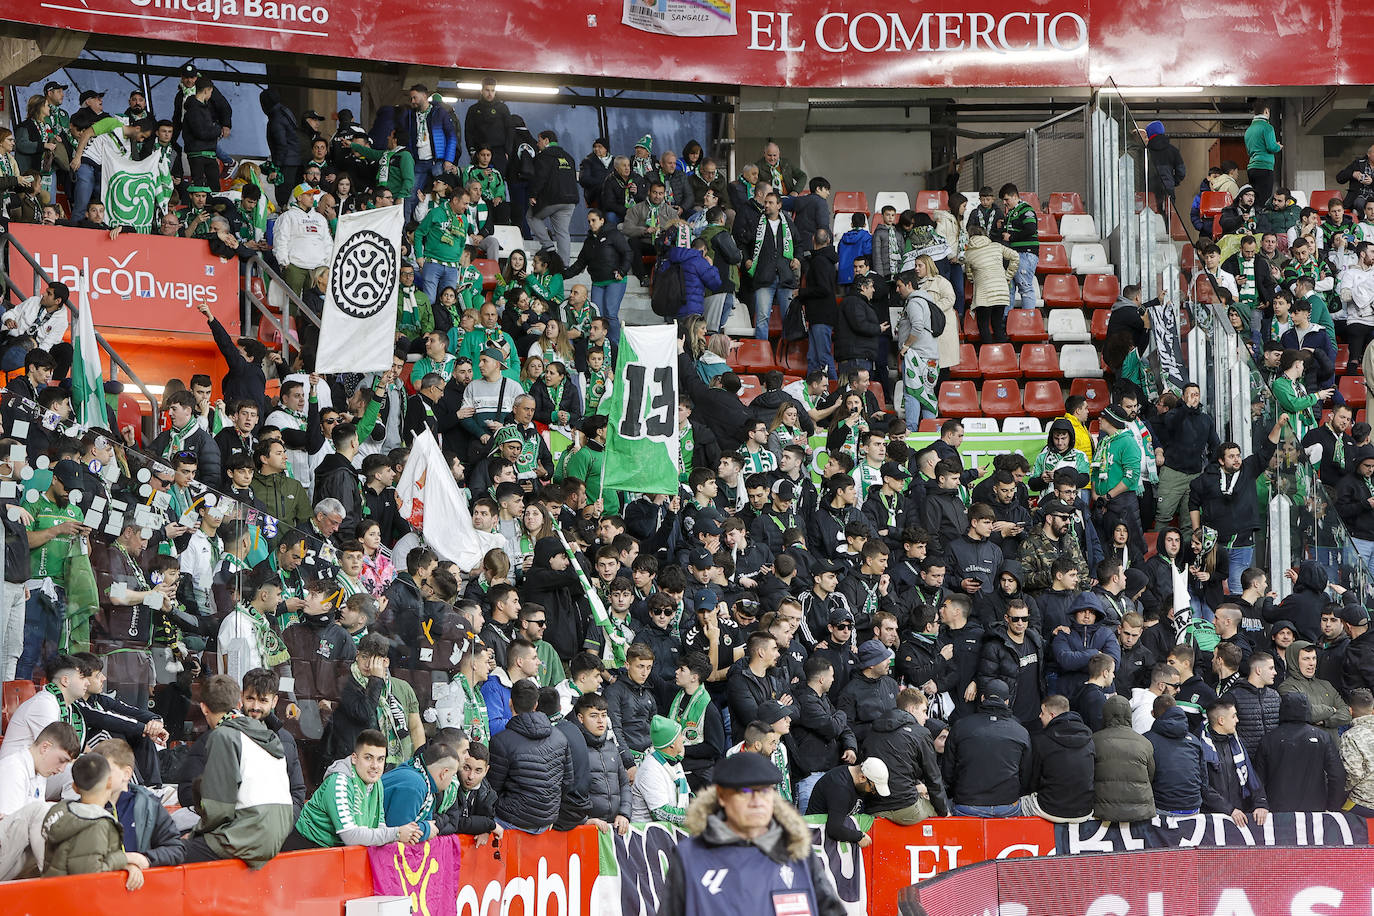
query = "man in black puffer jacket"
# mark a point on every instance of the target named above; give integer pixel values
(987, 763)
(633, 703)
(530, 764)
(608, 788)
(857, 332)
(283, 143)
(1009, 649)
(1063, 769)
(909, 753)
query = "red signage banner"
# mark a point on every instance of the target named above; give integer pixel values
(141, 282)
(838, 43)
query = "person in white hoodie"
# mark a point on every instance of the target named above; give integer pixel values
(1164, 681)
(1357, 295)
(301, 239)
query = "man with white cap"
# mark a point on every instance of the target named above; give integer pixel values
(837, 793)
(301, 239)
(749, 851)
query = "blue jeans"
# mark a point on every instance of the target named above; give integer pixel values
(819, 354)
(804, 787)
(506, 825)
(764, 298)
(1240, 559)
(42, 631)
(607, 299)
(1023, 284)
(1012, 810)
(911, 411)
(86, 181)
(423, 169)
(1189, 813)
(1366, 551)
(956, 280)
(435, 276)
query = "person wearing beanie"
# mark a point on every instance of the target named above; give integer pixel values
(1241, 215)
(768, 845)
(1116, 485)
(642, 163)
(1166, 170)
(593, 171)
(661, 792)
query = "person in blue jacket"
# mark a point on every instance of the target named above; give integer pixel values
(1072, 647)
(858, 241)
(699, 274)
(417, 791)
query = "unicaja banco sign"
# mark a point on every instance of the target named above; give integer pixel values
(1012, 32)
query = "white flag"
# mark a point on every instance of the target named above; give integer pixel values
(358, 323)
(431, 501)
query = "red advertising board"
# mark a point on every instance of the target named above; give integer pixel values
(837, 43)
(141, 282)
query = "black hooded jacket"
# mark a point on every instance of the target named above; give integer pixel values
(988, 757)
(1062, 768)
(1299, 764)
(557, 592)
(898, 741)
(283, 133)
(530, 764)
(1304, 605)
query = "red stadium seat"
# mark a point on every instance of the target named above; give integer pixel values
(1040, 361)
(1318, 200)
(1062, 202)
(490, 270)
(1179, 233)
(1352, 389)
(1053, 260)
(971, 326)
(958, 399)
(1026, 326)
(1049, 227)
(15, 692)
(876, 389)
(1101, 290)
(929, 425)
(968, 363)
(1099, 325)
(750, 388)
(1342, 356)
(1213, 202)
(1033, 199)
(1001, 398)
(849, 202)
(930, 201)
(1044, 400)
(129, 413)
(1061, 291)
(753, 356)
(1095, 390)
(996, 360)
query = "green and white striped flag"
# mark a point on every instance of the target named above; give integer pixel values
(642, 433)
(88, 381)
(599, 615)
(260, 214)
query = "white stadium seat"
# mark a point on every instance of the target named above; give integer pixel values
(1021, 425)
(509, 238)
(980, 425)
(1080, 361)
(1090, 258)
(1077, 227)
(1068, 326)
(898, 199)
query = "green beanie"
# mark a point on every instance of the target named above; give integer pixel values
(647, 141)
(663, 732)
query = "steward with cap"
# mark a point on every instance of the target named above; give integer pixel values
(749, 851)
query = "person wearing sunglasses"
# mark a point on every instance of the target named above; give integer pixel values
(743, 815)
(1014, 652)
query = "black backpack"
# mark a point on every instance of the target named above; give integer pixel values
(670, 290)
(937, 318)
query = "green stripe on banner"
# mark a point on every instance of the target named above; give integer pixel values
(977, 449)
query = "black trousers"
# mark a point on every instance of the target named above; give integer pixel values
(1262, 180)
(992, 323)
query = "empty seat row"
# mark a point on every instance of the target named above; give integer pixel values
(1086, 258)
(1093, 291)
(1036, 360)
(1001, 398)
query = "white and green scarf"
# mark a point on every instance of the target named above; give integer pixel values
(788, 251)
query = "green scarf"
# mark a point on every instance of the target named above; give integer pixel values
(270, 645)
(177, 441)
(762, 232)
(391, 716)
(475, 719)
(68, 714)
(428, 809)
(691, 715)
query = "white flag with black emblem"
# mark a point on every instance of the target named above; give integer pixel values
(358, 323)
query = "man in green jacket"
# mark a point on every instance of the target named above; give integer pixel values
(1117, 483)
(1261, 144)
(395, 165)
(440, 240)
(347, 809)
(245, 793)
(584, 464)
(282, 495)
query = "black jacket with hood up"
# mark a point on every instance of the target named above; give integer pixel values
(1300, 764)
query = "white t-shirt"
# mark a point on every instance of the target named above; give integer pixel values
(33, 715)
(20, 783)
(238, 646)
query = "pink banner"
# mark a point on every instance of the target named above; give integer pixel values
(427, 873)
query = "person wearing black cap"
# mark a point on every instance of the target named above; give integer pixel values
(742, 821)
(987, 763)
(1117, 483)
(821, 601)
(778, 516)
(888, 509)
(1357, 668)
(715, 636)
(837, 646)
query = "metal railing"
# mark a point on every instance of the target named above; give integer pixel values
(117, 362)
(253, 304)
